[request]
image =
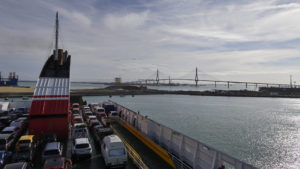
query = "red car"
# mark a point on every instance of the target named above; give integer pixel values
(75, 107)
(57, 163)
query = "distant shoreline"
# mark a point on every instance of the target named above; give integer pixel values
(130, 90)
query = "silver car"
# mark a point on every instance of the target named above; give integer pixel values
(82, 147)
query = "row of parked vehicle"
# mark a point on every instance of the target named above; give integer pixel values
(20, 150)
(95, 118)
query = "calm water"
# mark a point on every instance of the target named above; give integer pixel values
(261, 131)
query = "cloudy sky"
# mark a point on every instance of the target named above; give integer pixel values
(246, 40)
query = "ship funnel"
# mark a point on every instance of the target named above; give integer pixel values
(56, 37)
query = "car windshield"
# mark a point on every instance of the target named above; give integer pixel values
(54, 162)
(24, 141)
(51, 152)
(7, 132)
(117, 152)
(114, 114)
(78, 120)
(95, 123)
(82, 145)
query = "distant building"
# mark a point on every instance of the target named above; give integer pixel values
(117, 80)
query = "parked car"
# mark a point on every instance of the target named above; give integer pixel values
(97, 109)
(19, 165)
(75, 107)
(26, 142)
(53, 149)
(79, 132)
(2, 126)
(113, 115)
(113, 151)
(101, 115)
(5, 120)
(11, 130)
(81, 148)
(93, 123)
(7, 141)
(89, 118)
(19, 124)
(86, 114)
(5, 157)
(57, 163)
(78, 119)
(86, 108)
(24, 155)
(22, 110)
(101, 132)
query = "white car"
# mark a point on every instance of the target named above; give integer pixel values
(113, 151)
(81, 148)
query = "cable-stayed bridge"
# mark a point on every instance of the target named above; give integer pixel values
(196, 81)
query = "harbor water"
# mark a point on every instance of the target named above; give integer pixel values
(264, 132)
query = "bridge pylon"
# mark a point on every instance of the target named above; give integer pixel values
(157, 77)
(196, 77)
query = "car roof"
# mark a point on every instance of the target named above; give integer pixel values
(79, 124)
(54, 162)
(26, 137)
(82, 141)
(9, 128)
(19, 165)
(98, 126)
(52, 145)
(77, 117)
(113, 138)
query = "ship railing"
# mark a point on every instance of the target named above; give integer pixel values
(184, 150)
(178, 163)
(137, 160)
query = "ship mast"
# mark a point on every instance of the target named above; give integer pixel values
(56, 38)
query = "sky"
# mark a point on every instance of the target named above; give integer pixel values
(240, 40)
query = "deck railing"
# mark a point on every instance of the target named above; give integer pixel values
(186, 152)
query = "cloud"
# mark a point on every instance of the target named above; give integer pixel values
(121, 21)
(226, 39)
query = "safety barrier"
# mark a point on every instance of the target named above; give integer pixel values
(185, 152)
(132, 153)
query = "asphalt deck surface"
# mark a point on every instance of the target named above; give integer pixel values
(149, 157)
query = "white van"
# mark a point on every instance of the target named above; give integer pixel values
(113, 151)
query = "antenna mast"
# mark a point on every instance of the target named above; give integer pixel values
(56, 38)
